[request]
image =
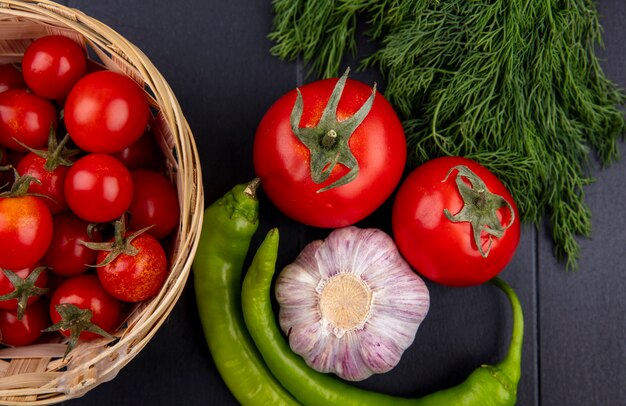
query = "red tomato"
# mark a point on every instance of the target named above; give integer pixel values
(7, 287)
(106, 112)
(25, 231)
(52, 65)
(449, 228)
(370, 160)
(133, 278)
(52, 182)
(85, 292)
(16, 332)
(27, 118)
(66, 255)
(10, 78)
(98, 188)
(155, 203)
(142, 154)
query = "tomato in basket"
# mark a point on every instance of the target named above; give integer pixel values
(80, 308)
(98, 188)
(18, 332)
(52, 65)
(106, 112)
(25, 119)
(155, 203)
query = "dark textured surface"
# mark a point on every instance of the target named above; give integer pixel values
(215, 56)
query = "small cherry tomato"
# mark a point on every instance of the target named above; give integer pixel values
(67, 255)
(25, 231)
(10, 78)
(330, 153)
(52, 65)
(24, 331)
(106, 112)
(84, 292)
(155, 203)
(50, 167)
(27, 118)
(132, 267)
(455, 222)
(98, 188)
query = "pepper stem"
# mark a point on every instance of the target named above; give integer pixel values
(510, 365)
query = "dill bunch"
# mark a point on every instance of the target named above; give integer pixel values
(513, 84)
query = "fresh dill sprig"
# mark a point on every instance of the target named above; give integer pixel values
(514, 84)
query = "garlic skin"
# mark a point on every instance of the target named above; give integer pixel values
(351, 304)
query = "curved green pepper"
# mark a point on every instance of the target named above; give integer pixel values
(487, 385)
(227, 230)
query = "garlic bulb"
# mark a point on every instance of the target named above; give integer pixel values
(350, 304)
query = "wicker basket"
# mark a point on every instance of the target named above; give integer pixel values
(38, 374)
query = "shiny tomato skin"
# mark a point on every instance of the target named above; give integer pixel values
(66, 255)
(22, 332)
(27, 118)
(52, 65)
(98, 188)
(25, 231)
(7, 287)
(155, 203)
(437, 248)
(106, 112)
(85, 292)
(10, 78)
(282, 161)
(52, 182)
(135, 278)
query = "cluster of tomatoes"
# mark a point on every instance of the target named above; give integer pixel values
(85, 211)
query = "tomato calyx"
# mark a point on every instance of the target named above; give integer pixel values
(121, 243)
(75, 320)
(23, 289)
(56, 154)
(480, 207)
(20, 186)
(328, 140)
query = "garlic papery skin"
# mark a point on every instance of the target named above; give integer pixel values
(350, 304)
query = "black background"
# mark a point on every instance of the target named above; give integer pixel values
(215, 55)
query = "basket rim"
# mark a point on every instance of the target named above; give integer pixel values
(189, 180)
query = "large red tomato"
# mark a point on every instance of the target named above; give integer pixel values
(106, 112)
(455, 222)
(331, 156)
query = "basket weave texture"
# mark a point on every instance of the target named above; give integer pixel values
(38, 374)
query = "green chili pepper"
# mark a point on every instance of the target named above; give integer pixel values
(487, 385)
(227, 230)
